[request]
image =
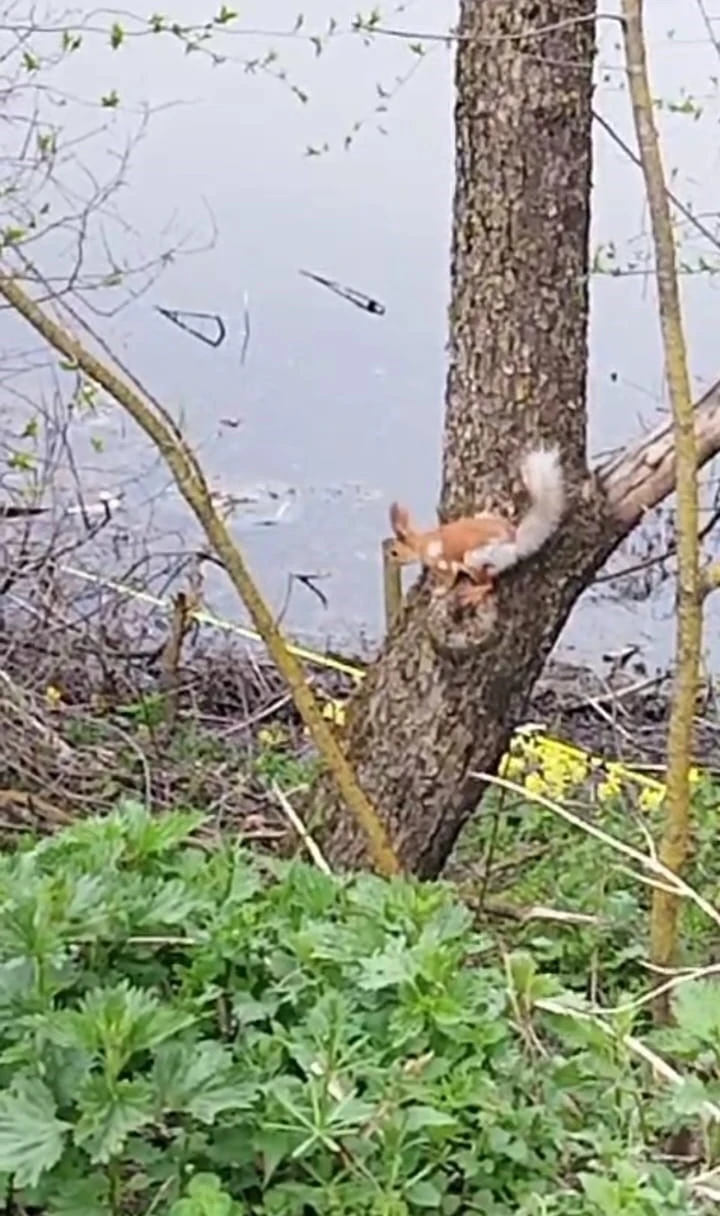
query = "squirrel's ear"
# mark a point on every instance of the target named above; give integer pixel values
(399, 521)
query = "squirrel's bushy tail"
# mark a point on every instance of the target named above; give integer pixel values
(542, 474)
(543, 477)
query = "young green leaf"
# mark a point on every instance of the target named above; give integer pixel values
(418, 1118)
(697, 1011)
(425, 1194)
(110, 1114)
(32, 1137)
(205, 1197)
(79, 1196)
(114, 1023)
(200, 1078)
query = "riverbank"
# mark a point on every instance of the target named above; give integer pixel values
(91, 714)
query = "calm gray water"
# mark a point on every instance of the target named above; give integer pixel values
(340, 410)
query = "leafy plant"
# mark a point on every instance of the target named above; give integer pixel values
(535, 858)
(187, 1032)
(277, 762)
(205, 1197)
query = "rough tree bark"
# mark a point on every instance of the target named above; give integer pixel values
(445, 694)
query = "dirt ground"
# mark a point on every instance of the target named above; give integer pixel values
(89, 714)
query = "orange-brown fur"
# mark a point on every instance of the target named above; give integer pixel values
(482, 547)
(452, 541)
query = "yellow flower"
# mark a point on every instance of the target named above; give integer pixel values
(651, 797)
(563, 768)
(611, 785)
(555, 779)
(512, 766)
(53, 696)
(270, 736)
(334, 711)
(534, 784)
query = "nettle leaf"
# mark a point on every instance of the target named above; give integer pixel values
(451, 924)
(247, 1011)
(32, 1138)
(689, 1098)
(88, 1196)
(87, 902)
(201, 1079)
(110, 1114)
(150, 835)
(17, 982)
(245, 882)
(274, 1145)
(117, 1022)
(167, 903)
(395, 965)
(602, 1192)
(697, 1011)
(68, 1068)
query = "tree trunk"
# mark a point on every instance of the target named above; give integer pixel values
(519, 310)
(445, 694)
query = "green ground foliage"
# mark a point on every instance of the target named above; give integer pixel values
(131, 750)
(196, 1031)
(532, 857)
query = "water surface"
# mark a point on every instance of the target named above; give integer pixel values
(338, 411)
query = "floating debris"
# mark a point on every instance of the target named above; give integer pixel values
(185, 320)
(358, 298)
(246, 328)
(258, 506)
(105, 505)
(309, 581)
(12, 511)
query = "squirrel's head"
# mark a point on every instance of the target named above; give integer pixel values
(401, 548)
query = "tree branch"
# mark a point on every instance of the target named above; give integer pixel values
(709, 579)
(643, 474)
(675, 834)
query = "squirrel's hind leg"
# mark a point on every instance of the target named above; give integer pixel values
(475, 589)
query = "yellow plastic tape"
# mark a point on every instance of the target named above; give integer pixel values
(334, 710)
(216, 622)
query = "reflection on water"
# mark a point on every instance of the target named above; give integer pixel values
(312, 414)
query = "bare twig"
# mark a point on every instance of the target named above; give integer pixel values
(292, 816)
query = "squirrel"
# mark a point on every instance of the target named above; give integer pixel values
(482, 546)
